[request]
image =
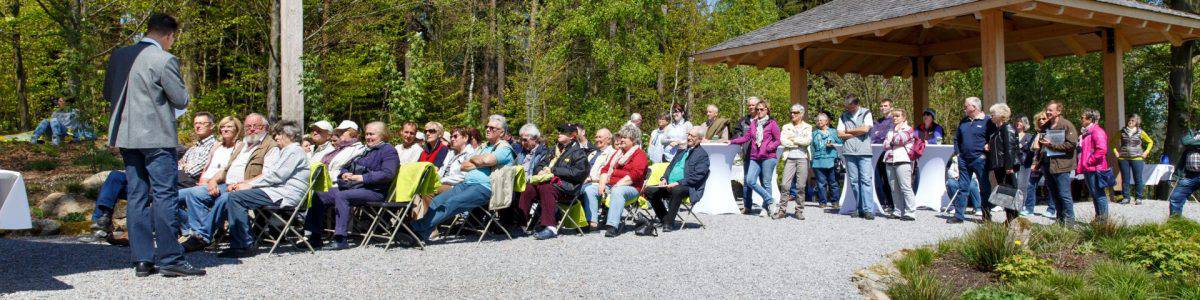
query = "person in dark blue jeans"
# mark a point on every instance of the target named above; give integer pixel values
(969, 142)
(1188, 173)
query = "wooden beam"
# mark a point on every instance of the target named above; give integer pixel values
(920, 87)
(1033, 34)
(1174, 39)
(882, 32)
(992, 44)
(1132, 12)
(1074, 44)
(820, 66)
(881, 65)
(862, 46)
(957, 61)
(1122, 42)
(1028, 6)
(291, 68)
(1057, 14)
(1114, 88)
(1032, 52)
(961, 23)
(771, 57)
(851, 64)
(930, 23)
(797, 76)
(896, 67)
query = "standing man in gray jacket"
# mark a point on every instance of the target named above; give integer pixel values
(144, 88)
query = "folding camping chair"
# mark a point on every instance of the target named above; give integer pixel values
(273, 220)
(515, 178)
(400, 201)
(657, 171)
(572, 211)
(637, 208)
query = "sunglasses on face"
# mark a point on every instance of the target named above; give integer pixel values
(795, 112)
(431, 131)
(492, 128)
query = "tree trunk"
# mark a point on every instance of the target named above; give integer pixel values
(531, 51)
(1179, 92)
(485, 98)
(499, 57)
(19, 60)
(273, 65)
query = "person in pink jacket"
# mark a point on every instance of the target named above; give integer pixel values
(1092, 161)
(763, 136)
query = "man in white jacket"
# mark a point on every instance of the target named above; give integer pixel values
(795, 138)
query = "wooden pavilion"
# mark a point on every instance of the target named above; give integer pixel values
(916, 38)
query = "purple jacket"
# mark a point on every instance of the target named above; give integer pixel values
(770, 141)
(380, 162)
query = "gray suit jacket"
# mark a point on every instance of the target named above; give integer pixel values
(144, 87)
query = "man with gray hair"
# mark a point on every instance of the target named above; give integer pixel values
(535, 150)
(717, 127)
(969, 141)
(684, 178)
(476, 188)
(635, 119)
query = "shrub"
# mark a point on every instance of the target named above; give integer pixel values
(41, 165)
(1022, 266)
(37, 212)
(986, 246)
(73, 217)
(920, 286)
(988, 293)
(1052, 238)
(98, 159)
(1167, 253)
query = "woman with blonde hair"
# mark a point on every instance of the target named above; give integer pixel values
(1003, 156)
(899, 163)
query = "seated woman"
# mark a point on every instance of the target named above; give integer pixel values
(476, 188)
(622, 176)
(62, 122)
(685, 177)
(365, 179)
(345, 149)
(461, 148)
(562, 172)
(283, 182)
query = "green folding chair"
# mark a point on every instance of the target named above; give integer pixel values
(275, 228)
(394, 210)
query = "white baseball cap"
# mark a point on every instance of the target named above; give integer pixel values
(323, 125)
(347, 124)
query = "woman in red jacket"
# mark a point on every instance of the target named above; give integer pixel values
(623, 175)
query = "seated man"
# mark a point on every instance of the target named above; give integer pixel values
(476, 188)
(191, 168)
(461, 148)
(62, 122)
(365, 179)
(621, 177)
(204, 212)
(685, 177)
(283, 182)
(562, 172)
(596, 160)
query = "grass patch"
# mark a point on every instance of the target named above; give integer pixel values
(74, 217)
(990, 293)
(1053, 238)
(921, 285)
(74, 188)
(98, 159)
(41, 165)
(986, 246)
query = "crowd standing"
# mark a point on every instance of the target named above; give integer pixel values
(179, 198)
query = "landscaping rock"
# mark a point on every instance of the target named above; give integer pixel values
(59, 205)
(95, 181)
(873, 281)
(45, 227)
(1019, 230)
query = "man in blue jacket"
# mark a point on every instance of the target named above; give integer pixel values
(685, 177)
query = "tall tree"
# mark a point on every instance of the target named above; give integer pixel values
(19, 61)
(1179, 95)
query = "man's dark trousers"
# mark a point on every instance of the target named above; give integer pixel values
(153, 205)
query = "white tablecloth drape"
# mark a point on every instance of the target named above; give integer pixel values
(14, 202)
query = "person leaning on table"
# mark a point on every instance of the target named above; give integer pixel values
(685, 177)
(283, 182)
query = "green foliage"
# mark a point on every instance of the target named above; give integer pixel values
(41, 165)
(1021, 266)
(73, 217)
(1049, 286)
(98, 159)
(1167, 253)
(915, 261)
(989, 293)
(74, 188)
(921, 285)
(37, 212)
(1052, 238)
(1115, 280)
(986, 247)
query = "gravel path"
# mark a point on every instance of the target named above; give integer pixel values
(736, 256)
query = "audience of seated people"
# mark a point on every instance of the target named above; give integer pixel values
(365, 179)
(283, 182)
(558, 179)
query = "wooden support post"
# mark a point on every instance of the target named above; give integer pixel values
(1114, 88)
(992, 57)
(920, 87)
(291, 41)
(799, 76)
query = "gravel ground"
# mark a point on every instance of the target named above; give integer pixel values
(736, 256)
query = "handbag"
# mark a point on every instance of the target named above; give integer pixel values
(1107, 178)
(1007, 197)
